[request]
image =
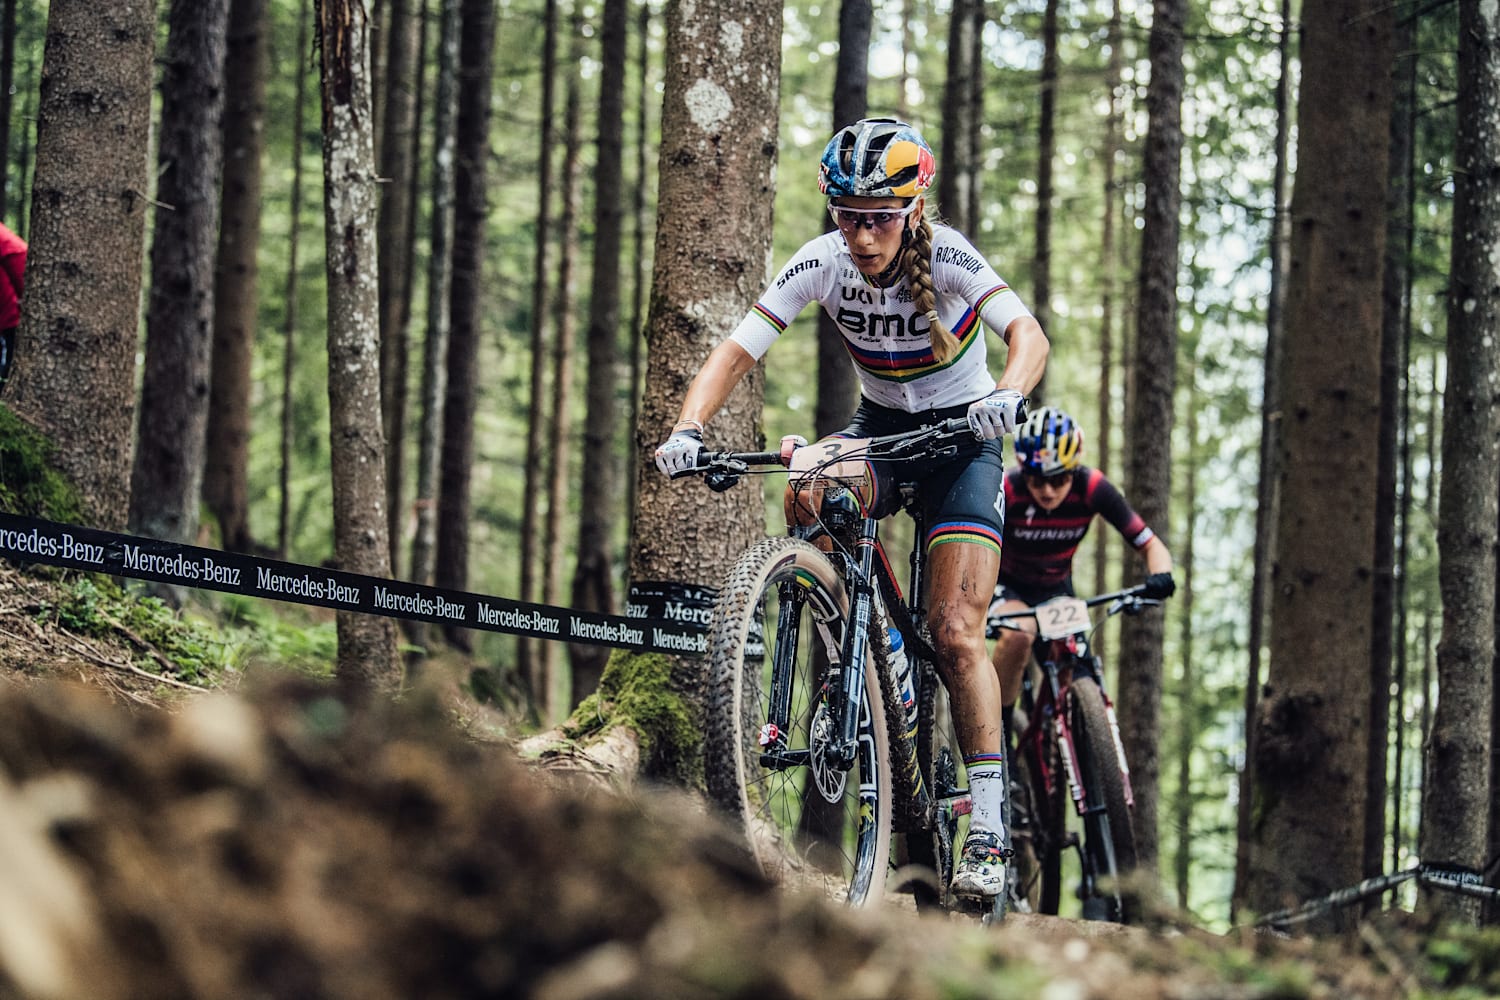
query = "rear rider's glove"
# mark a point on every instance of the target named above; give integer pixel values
(996, 414)
(1159, 586)
(679, 453)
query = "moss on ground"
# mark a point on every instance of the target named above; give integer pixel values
(637, 691)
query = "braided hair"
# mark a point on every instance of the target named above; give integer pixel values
(917, 262)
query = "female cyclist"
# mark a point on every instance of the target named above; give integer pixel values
(911, 300)
(1053, 498)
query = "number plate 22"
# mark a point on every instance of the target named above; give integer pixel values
(1061, 617)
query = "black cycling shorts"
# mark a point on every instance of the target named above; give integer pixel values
(1032, 594)
(962, 497)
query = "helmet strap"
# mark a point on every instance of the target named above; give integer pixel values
(883, 279)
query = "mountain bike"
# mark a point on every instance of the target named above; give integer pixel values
(1069, 748)
(818, 737)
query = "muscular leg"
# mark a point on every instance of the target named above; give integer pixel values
(961, 582)
(1012, 649)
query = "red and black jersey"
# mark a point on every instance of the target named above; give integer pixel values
(1038, 545)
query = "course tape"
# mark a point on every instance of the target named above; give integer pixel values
(32, 540)
(1448, 877)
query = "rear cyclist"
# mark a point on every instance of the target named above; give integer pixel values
(1051, 499)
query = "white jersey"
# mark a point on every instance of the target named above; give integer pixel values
(885, 334)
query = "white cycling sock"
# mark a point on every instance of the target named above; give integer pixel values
(987, 792)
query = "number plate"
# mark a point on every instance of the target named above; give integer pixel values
(818, 466)
(1061, 617)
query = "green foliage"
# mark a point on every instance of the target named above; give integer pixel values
(96, 606)
(29, 484)
(279, 635)
(1466, 961)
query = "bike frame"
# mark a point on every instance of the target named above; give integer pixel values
(863, 568)
(1061, 660)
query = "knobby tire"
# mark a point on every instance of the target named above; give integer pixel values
(1110, 846)
(786, 583)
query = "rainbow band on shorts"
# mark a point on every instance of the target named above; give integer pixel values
(964, 531)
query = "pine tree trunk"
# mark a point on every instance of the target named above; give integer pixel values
(1268, 490)
(398, 123)
(236, 307)
(638, 239)
(1046, 142)
(544, 686)
(476, 50)
(75, 377)
(838, 387)
(1311, 741)
(1139, 679)
(289, 320)
(593, 577)
(166, 482)
(1456, 799)
(712, 246)
(531, 544)
(1188, 721)
(955, 174)
(367, 643)
(1395, 289)
(7, 75)
(1110, 274)
(439, 288)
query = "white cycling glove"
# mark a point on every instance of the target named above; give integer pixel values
(679, 453)
(996, 414)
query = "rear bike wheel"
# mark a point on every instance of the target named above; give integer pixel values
(802, 815)
(1108, 834)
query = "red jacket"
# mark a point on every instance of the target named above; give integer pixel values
(12, 277)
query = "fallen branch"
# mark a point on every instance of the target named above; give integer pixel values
(83, 649)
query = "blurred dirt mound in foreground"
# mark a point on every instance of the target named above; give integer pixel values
(276, 844)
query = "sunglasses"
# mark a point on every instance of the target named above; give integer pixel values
(880, 220)
(1054, 480)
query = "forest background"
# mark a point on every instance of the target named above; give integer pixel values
(1232, 62)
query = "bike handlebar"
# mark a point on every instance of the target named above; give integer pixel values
(1129, 599)
(885, 448)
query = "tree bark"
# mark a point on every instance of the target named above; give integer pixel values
(954, 174)
(75, 380)
(289, 319)
(476, 50)
(1312, 737)
(1268, 492)
(439, 288)
(712, 249)
(236, 306)
(838, 387)
(1139, 680)
(398, 123)
(1046, 142)
(594, 575)
(530, 542)
(367, 643)
(1456, 795)
(167, 480)
(545, 681)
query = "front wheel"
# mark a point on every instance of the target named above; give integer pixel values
(1108, 834)
(772, 722)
